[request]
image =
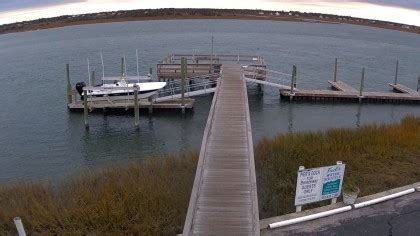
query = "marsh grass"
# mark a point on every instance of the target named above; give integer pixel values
(152, 196)
(377, 158)
(149, 197)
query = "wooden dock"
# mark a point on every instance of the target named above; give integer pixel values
(205, 65)
(224, 196)
(129, 104)
(344, 92)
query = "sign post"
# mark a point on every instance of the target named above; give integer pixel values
(318, 184)
(299, 207)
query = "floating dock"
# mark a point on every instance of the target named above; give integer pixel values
(344, 92)
(224, 196)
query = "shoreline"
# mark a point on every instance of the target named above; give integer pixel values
(52, 23)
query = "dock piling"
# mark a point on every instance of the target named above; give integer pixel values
(122, 66)
(292, 83)
(335, 69)
(93, 78)
(69, 94)
(85, 109)
(396, 73)
(361, 85)
(151, 104)
(418, 84)
(136, 107)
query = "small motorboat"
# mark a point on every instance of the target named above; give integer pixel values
(145, 89)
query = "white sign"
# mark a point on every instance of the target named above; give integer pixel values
(319, 184)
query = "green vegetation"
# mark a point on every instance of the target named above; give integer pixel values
(377, 158)
(151, 197)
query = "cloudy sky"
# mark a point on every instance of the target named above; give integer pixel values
(401, 11)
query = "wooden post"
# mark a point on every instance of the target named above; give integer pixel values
(93, 79)
(418, 84)
(85, 109)
(184, 74)
(361, 85)
(334, 200)
(150, 104)
(293, 82)
(122, 66)
(299, 207)
(335, 69)
(396, 74)
(136, 107)
(69, 95)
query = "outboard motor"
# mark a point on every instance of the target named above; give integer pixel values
(79, 88)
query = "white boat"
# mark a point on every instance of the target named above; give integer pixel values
(146, 89)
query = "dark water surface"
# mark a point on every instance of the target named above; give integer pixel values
(40, 139)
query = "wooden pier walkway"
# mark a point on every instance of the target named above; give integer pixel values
(224, 196)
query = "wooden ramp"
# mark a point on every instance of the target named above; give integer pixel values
(224, 196)
(341, 86)
(271, 84)
(403, 89)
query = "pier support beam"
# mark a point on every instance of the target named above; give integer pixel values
(361, 85)
(335, 69)
(85, 109)
(396, 73)
(136, 108)
(69, 94)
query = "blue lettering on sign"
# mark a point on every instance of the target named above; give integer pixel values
(331, 187)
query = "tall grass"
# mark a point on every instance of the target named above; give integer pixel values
(377, 158)
(149, 197)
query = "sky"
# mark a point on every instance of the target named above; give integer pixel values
(401, 11)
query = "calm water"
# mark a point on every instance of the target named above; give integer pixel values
(40, 139)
